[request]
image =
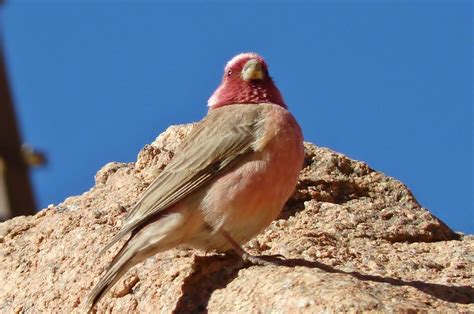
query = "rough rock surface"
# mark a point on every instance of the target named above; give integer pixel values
(352, 239)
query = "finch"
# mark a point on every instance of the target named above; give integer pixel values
(227, 182)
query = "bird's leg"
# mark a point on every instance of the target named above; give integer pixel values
(246, 257)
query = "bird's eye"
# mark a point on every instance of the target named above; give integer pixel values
(229, 73)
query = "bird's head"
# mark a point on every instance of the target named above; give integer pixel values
(246, 81)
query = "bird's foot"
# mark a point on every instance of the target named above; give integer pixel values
(261, 260)
(252, 259)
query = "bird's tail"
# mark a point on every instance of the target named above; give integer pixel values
(161, 235)
(122, 262)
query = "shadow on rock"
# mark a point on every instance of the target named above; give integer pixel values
(216, 272)
(456, 294)
(209, 274)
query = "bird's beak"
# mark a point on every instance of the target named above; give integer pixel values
(252, 70)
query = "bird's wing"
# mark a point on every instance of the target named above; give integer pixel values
(211, 147)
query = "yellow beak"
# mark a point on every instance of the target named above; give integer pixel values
(252, 70)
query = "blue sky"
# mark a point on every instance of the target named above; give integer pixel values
(389, 83)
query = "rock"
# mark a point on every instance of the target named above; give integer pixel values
(352, 239)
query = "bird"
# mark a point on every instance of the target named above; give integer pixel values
(226, 183)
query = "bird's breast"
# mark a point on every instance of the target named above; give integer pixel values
(247, 198)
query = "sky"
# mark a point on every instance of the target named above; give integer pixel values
(389, 82)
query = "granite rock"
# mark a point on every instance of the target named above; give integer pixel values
(349, 239)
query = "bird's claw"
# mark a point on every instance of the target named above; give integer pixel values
(258, 260)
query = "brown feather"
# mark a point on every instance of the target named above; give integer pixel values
(201, 158)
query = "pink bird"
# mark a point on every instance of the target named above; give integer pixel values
(228, 181)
